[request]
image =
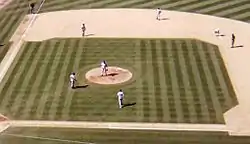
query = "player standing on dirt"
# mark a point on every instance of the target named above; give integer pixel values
(104, 68)
(83, 29)
(158, 16)
(233, 40)
(72, 79)
(120, 96)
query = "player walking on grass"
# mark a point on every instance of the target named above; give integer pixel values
(120, 96)
(72, 79)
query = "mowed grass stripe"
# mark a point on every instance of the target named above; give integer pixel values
(145, 91)
(221, 87)
(184, 69)
(183, 5)
(126, 4)
(176, 49)
(17, 76)
(111, 2)
(150, 83)
(211, 77)
(221, 5)
(54, 79)
(200, 5)
(63, 78)
(205, 115)
(7, 26)
(235, 10)
(231, 7)
(175, 85)
(4, 49)
(243, 17)
(34, 81)
(225, 75)
(27, 86)
(44, 75)
(67, 5)
(161, 61)
(172, 116)
(100, 4)
(139, 86)
(75, 66)
(65, 92)
(208, 85)
(194, 100)
(156, 80)
(48, 77)
(155, 4)
(176, 4)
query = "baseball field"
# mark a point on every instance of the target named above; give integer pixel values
(186, 82)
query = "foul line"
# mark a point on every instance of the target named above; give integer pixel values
(46, 138)
(121, 125)
(11, 54)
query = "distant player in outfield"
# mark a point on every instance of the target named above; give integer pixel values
(72, 79)
(158, 12)
(104, 68)
(233, 40)
(120, 96)
(83, 29)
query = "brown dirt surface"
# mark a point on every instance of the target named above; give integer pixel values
(3, 3)
(115, 75)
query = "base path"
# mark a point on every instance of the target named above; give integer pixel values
(142, 23)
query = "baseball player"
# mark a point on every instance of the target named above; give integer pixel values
(233, 39)
(120, 96)
(72, 79)
(83, 29)
(158, 14)
(104, 68)
(217, 32)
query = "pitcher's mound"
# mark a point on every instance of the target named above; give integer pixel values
(115, 75)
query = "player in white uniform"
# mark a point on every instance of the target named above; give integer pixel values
(72, 79)
(158, 17)
(120, 96)
(104, 68)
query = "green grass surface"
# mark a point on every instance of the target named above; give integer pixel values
(105, 136)
(176, 81)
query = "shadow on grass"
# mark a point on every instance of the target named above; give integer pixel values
(129, 104)
(82, 86)
(1, 44)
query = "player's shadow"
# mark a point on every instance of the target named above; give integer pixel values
(112, 74)
(1, 44)
(89, 34)
(129, 104)
(164, 19)
(238, 46)
(81, 86)
(220, 35)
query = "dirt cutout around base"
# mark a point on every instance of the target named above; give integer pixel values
(115, 75)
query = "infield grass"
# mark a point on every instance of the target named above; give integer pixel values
(175, 81)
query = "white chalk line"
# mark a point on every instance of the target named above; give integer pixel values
(121, 125)
(46, 138)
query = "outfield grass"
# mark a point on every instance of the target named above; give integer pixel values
(105, 136)
(176, 81)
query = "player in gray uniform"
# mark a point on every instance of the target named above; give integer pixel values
(120, 96)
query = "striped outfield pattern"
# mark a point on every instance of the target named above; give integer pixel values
(235, 9)
(179, 80)
(12, 14)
